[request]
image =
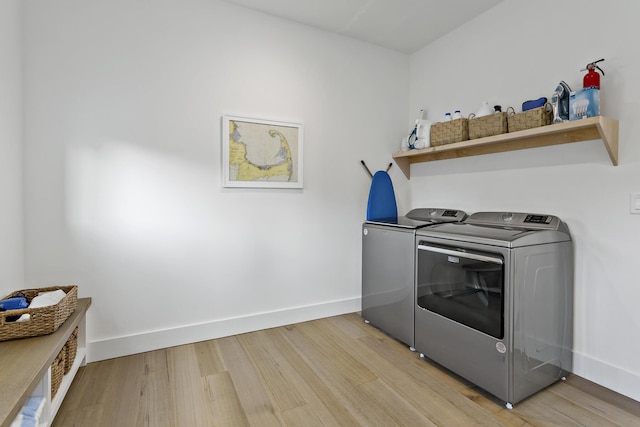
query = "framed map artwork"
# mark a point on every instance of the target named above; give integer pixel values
(260, 153)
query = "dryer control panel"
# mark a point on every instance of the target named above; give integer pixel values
(537, 219)
(525, 220)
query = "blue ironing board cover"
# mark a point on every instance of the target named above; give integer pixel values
(382, 199)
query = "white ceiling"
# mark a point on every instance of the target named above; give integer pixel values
(402, 25)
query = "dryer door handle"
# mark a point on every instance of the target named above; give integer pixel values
(468, 255)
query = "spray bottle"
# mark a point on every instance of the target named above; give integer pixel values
(592, 78)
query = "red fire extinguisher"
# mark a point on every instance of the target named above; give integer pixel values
(592, 78)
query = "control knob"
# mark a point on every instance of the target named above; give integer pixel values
(507, 216)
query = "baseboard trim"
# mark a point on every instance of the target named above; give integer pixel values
(154, 340)
(612, 377)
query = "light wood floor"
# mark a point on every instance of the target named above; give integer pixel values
(330, 372)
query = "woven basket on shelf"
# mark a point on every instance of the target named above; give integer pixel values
(449, 132)
(57, 371)
(71, 348)
(490, 125)
(43, 320)
(529, 119)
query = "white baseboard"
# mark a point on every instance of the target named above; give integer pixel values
(609, 376)
(154, 340)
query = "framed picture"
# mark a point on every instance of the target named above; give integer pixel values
(260, 153)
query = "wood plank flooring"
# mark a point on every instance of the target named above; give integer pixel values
(336, 371)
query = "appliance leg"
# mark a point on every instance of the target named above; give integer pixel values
(366, 321)
(412, 348)
(509, 406)
(421, 355)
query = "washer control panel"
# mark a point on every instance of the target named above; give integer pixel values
(436, 214)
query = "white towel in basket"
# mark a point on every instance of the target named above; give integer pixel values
(44, 299)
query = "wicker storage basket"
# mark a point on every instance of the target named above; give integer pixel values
(449, 132)
(492, 124)
(44, 320)
(529, 119)
(71, 348)
(57, 371)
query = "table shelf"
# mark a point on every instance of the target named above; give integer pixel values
(25, 368)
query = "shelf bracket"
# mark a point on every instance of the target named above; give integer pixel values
(404, 165)
(608, 129)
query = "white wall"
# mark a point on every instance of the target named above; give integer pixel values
(11, 242)
(519, 51)
(123, 181)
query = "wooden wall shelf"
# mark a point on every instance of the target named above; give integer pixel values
(560, 133)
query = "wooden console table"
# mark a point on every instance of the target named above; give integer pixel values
(25, 368)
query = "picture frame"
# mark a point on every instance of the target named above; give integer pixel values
(260, 153)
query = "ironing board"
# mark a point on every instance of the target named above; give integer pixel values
(382, 199)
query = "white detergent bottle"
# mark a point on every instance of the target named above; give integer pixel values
(484, 109)
(423, 130)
